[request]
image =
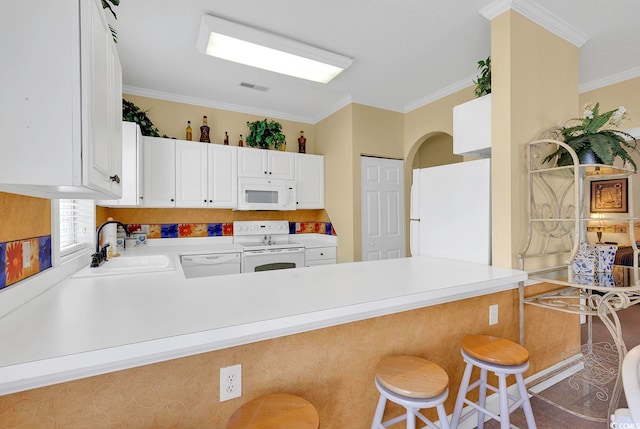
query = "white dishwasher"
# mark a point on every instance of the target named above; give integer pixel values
(210, 264)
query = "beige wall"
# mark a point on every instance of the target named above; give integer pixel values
(625, 94)
(23, 217)
(535, 84)
(334, 135)
(171, 119)
(436, 150)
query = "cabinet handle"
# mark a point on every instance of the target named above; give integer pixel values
(265, 172)
(210, 201)
(115, 178)
(142, 198)
(172, 199)
(269, 172)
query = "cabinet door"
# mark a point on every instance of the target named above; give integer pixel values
(131, 167)
(309, 181)
(281, 165)
(191, 174)
(223, 176)
(159, 172)
(98, 63)
(252, 162)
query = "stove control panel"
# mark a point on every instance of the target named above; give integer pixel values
(271, 227)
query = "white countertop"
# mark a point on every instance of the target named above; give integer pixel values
(88, 326)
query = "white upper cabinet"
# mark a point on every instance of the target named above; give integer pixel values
(266, 163)
(61, 106)
(223, 176)
(472, 128)
(191, 174)
(131, 179)
(159, 172)
(309, 181)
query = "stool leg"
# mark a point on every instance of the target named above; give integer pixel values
(504, 401)
(482, 398)
(411, 418)
(377, 417)
(526, 404)
(462, 394)
(442, 416)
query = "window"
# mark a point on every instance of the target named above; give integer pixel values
(76, 220)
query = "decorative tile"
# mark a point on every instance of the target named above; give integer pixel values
(227, 229)
(44, 252)
(3, 264)
(185, 230)
(214, 230)
(14, 262)
(169, 230)
(155, 231)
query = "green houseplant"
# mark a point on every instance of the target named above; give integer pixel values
(596, 138)
(483, 82)
(265, 133)
(132, 113)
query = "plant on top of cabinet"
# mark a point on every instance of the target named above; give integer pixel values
(265, 133)
(132, 113)
(483, 83)
(596, 138)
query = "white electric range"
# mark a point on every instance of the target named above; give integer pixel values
(266, 246)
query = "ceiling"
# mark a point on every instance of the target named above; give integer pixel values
(406, 52)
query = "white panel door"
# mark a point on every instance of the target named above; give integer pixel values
(382, 206)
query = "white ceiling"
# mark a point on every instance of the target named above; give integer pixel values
(406, 52)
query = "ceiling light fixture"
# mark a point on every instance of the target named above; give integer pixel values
(241, 44)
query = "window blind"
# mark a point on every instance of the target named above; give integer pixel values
(76, 218)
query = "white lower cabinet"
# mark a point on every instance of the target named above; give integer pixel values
(320, 256)
(309, 181)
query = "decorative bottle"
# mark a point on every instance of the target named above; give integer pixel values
(189, 131)
(302, 143)
(204, 131)
(240, 142)
(226, 138)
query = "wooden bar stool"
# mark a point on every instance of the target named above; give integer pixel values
(414, 383)
(275, 411)
(502, 357)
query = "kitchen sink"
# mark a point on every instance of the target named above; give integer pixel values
(129, 265)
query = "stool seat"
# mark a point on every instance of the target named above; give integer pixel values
(412, 376)
(275, 411)
(495, 350)
(413, 383)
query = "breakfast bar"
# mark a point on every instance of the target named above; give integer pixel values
(113, 329)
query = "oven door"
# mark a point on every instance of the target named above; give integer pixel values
(272, 259)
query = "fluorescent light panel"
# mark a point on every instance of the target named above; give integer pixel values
(241, 44)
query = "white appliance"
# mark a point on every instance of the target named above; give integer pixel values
(451, 211)
(266, 246)
(211, 264)
(266, 194)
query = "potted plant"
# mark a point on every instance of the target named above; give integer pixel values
(483, 83)
(132, 113)
(265, 133)
(596, 138)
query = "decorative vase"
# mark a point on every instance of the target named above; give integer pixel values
(589, 157)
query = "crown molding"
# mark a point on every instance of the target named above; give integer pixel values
(540, 16)
(167, 96)
(441, 93)
(609, 80)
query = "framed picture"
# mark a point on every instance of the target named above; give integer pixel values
(609, 196)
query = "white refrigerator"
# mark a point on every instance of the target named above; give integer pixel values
(451, 211)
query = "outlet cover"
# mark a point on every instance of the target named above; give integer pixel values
(230, 382)
(493, 314)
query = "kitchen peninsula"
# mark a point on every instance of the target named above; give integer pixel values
(108, 325)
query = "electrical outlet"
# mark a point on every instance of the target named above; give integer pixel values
(26, 254)
(230, 382)
(493, 314)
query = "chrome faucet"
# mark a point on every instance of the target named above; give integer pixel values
(101, 252)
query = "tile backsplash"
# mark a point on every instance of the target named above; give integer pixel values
(20, 259)
(225, 229)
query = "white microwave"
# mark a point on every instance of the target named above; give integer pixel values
(266, 194)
